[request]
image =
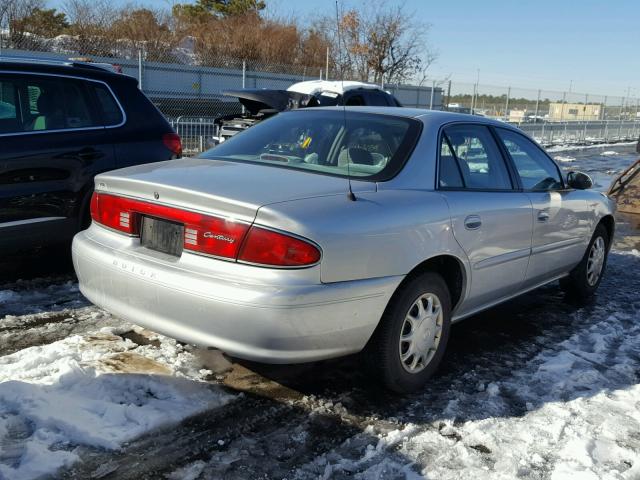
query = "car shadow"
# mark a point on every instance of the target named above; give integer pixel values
(81, 432)
(52, 261)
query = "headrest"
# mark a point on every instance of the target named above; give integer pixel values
(47, 104)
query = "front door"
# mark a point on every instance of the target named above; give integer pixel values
(561, 220)
(491, 220)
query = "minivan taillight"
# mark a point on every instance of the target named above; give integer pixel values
(173, 143)
(266, 247)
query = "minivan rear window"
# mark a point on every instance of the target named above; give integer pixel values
(333, 142)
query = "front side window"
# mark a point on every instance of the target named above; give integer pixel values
(368, 146)
(478, 157)
(537, 172)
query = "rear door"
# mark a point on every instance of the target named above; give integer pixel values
(52, 146)
(561, 219)
(491, 219)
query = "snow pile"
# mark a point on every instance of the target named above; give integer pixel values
(564, 158)
(40, 295)
(96, 390)
(568, 147)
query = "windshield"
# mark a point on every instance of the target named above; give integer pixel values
(371, 146)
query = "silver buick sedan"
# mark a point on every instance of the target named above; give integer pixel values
(324, 232)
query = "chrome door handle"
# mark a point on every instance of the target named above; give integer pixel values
(472, 222)
(543, 216)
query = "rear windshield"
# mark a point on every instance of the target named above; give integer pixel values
(368, 146)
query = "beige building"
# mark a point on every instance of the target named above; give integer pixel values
(517, 116)
(574, 111)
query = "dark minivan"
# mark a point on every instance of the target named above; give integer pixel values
(61, 123)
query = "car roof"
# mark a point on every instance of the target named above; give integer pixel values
(311, 87)
(60, 67)
(423, 114)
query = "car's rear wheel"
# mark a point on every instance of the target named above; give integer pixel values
(410, 341)
(585, 278)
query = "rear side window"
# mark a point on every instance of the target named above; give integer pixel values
(450, 173)
(111, 113)
(32, 103)
(377, 99)
(55, 103)
(355, 101)
(478, 157)
(535, 169)
(9, 109)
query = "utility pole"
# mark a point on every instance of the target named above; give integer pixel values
(326, 72)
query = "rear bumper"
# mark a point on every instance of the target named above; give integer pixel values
(273, 322)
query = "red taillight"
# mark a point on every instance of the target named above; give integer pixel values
(214, 236)
(114, 212)
(172, 142)
(202, 233)
(266, 247)
(206, 234)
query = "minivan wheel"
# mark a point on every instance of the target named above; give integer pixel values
(584, 279)
(410, 341)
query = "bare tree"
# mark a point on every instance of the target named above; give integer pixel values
(89, 23)
(144, 29)
(11, 14)
(379, 43)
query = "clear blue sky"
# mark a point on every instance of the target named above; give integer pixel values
(590, 44)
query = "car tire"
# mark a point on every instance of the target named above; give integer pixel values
(406, 328)
(584, 279)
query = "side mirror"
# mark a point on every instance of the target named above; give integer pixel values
(579, 180)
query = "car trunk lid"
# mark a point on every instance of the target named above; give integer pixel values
(230, 189)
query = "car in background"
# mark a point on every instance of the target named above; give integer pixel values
(260, 104)
(321, 232)
(62, 123)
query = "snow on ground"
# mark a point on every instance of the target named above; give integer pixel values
(39, 295)
(557, 397)
(569, 147)
(570, 412)
(608, 153)
(97, 388)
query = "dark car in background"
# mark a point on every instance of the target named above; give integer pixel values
(260, 103)
(62, 123)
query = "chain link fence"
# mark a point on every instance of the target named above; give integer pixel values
(552, 117)
(187, 83)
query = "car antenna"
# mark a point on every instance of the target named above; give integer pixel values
(350, 195)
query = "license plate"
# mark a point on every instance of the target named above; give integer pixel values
(162, 235)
